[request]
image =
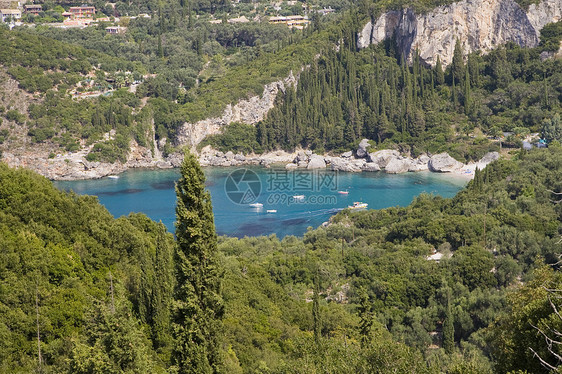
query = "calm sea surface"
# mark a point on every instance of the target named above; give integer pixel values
(299, 198)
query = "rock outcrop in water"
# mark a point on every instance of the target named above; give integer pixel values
(478, 24)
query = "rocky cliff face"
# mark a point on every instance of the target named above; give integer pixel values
(478, 24)
(248, 111)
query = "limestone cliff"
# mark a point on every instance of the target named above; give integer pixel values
(478, 24)
(248, 111)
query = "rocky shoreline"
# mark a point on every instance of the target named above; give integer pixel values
(389, 161)
(74, 166)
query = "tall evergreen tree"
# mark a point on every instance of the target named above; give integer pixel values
(160, 49)
(162, 290)
(366, 317)
(439, 74)
(448, 327)
(467, 99)
(198, 305)
(457, 66)
(316, 310)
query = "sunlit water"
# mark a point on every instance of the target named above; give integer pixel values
(152, 192)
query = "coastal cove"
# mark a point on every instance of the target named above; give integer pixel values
(319, 195)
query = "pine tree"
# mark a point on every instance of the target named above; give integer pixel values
(198, 305)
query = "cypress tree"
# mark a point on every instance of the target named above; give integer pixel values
(448, 328)
(316, 311)
(457, 66)
(162, 290)
(160, 49)
(439, 74)
(474, 70)
(467, 101)
(454, 92)
(366, 317)
(198, 305)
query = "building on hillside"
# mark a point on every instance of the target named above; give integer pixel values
(242, 19)
(84, 11)
(33, 9)
(298, 22)
(9, 15)
(115, 30)
(325, 11)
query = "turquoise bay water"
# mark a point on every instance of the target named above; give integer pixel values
(152, 192)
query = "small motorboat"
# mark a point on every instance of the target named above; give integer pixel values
(256, 205)
(358, 205)
(113, 176)
(271, 211)
(343, 192)
(298, 197)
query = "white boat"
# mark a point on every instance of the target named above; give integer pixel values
(358, 205)
(298, 197)
(256, 205)
(343, 192)
(271, 211)
(113, 176)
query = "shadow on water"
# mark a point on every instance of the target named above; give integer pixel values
(252, 229)
(295, 221)
(125, 191)
(166, 185)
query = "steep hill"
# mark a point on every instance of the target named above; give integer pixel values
(93, 292)
(480, 25)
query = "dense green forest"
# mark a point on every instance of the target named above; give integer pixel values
(192, 69)
(357, 296)
(340, 100)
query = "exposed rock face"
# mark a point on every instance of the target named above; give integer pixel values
(316, 162)
(371, 166)
(340, 164)
(382, 158)
(419, 164)
(489, 157)
(248, 111)
(478, 24)
(362, 149)
(443, 163)
(72, 166)
(397, 165)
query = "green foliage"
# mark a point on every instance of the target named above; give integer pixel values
(198, 305)
(236, 137)
(59, 247)
(377, 302)
(551, 35)
(14, 115)
(527, 332)
(552, 129)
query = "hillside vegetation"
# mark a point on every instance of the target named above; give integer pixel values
(378, 303)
